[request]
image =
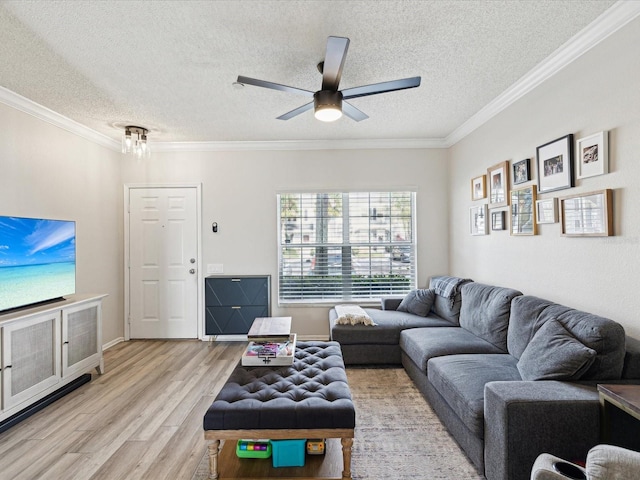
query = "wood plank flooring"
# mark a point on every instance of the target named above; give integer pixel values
(142, 419)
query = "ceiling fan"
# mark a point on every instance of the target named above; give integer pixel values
(329, 103)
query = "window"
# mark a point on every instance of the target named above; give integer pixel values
(345, 246)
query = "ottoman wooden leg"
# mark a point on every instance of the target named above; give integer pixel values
(214, 447)
(346, 457)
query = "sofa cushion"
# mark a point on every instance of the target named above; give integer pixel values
(554, 354)
(448, 308)
(460, 380)
(422, 344)
(606, 337)
(485, 312)
(389, 324)
(418, 302)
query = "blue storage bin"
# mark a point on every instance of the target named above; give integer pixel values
(288, 453)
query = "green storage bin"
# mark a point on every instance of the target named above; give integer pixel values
(253, 449)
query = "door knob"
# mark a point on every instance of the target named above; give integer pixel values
(192, 271)
(193, 260)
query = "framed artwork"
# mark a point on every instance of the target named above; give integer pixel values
(521, 172)
(555, 165)
(478, 191)
(498, 178)
(547, 211)
(592, 155)
(497, 220)
(523, 201)
(478, 220)
(587, 214)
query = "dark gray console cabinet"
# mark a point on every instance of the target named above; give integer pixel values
(233, 302)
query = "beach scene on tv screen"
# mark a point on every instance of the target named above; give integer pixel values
(37, 260)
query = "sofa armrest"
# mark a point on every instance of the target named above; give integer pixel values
(390, 303)
(525, 419)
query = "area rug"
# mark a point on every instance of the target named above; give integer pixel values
(397, 434)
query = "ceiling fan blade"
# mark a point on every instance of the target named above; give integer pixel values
(353, 113)
(297, 111)
(333, 62)
(273, 86)
(383, 87)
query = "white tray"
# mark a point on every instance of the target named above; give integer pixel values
(253, 357)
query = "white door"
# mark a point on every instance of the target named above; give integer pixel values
(163, 247)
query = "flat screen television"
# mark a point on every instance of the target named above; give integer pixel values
(37, 261)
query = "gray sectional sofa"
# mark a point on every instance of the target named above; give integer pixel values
(511, 376)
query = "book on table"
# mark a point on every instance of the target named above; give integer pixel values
(270, 330)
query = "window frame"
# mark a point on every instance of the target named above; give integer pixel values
(345, 246)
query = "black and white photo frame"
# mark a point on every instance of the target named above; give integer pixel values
(592, 155)
(521, 171)
(554, 164)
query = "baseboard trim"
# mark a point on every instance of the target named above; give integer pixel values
(110, 344)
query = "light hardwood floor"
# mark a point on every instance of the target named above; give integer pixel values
(142, 419)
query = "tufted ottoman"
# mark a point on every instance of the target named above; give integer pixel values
(309, 399)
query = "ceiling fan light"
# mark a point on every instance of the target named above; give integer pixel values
(328, 105)
(328, 114)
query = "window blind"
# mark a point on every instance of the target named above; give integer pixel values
(345, 246)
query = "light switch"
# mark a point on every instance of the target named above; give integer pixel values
(215, 268)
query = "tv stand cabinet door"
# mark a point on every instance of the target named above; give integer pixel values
(81, 338)
(30, 357)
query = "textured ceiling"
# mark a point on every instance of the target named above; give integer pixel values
(169, 65)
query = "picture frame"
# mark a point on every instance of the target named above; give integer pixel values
(521, 171)
(592, 155)
(554, 164)
(587, 214)
(523, 201)
(478, 220)
(498, 184)
(478, 187)
(498, 220)
(547, 211)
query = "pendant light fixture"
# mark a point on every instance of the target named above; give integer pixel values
(134, 142)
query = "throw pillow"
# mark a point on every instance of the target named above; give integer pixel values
(418, 302)
(352, 315)
(554, 354)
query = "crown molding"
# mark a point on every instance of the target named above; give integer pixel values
(613, 19)
(352, 144)
(45, 114)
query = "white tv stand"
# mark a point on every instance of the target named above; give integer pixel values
(46, 347)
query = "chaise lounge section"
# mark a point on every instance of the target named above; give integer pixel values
(363, 345)
(512, 376)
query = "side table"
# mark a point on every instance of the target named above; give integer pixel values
(625, 397)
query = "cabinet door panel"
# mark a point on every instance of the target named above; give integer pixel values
(81, 338)
(237, 291)
(232, 321)
(31, 357)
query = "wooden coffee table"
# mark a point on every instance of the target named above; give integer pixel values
(309, 399)
(625, 397)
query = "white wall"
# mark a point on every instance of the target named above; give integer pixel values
(239, 193)
(51, 173)
(46, 171)
(599, 91)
